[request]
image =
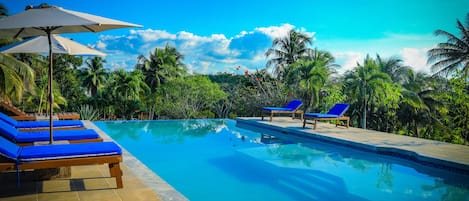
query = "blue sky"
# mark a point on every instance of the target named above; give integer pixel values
(219, 35)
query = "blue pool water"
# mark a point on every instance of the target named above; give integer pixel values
(215, 160)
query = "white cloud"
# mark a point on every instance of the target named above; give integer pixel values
(150, 35)
(212, 53)
(415, 58)
(348, 60)
(282, 31)
(101, 45)
(276, 31)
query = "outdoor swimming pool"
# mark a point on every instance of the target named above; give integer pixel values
(215, 160)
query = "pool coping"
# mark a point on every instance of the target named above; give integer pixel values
(422, 158)
(164, 190)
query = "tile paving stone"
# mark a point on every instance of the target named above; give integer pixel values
(61, 196)
(141, 194)
(30, 197)
(98, 195)
(56, 185)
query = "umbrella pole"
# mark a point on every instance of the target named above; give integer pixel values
(51, 95)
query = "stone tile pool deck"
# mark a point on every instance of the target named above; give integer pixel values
(441, 154)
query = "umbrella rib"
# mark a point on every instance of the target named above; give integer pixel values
(19, 32)
(89, 29)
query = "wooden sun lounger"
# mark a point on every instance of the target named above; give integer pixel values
(112, 161)
(273, 112)
(336, 119)
(23, 116)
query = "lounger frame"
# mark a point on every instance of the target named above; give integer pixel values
(113, 162)
(271, 113)
(346, 119)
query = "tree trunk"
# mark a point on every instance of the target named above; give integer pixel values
(364, 115)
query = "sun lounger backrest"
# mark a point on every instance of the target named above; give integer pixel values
(8, 119)
(339, 109)
(9, 149)
(294, 104)
(8, 131)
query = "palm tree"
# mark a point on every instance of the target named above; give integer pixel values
(127, 90)
(287, 50)
(162, 65)
(310, 74)
(363, 83)
(452, 55)
(418, 104)
(15, 76)
(394, 68)
(94, 75)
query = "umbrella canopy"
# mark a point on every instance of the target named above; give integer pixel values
(43, 19)
(59, 44)
(48, 20)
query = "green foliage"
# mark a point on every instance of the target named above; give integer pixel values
(87, 112)
(189, 97)
(287, 50)
(16, 77)
(93, 76)
(457, 116)
(452, 56)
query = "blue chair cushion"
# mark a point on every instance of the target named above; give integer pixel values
(8, 131)
(62, 151)
(321, 115)
(339, 109)
(8, 119)
(294, 104)
(9, 149)
(276, 108)
(291, 106)
(45, 124)
(35, 136)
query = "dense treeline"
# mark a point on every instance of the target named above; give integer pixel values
(384, 94)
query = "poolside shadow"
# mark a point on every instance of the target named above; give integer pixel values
(299, 184)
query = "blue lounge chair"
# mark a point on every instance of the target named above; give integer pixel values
(28, 138)
(335, 113)
(293, 107)
(41, 125)
(19, 158)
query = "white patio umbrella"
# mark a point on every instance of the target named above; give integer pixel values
(47, 20)
(59, 44)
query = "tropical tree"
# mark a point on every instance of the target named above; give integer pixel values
(363, 83)
(310, 74)
(452, 55)
(93, 75)
(287, 50)
(16, 77)
(394, 68)
(418, 107)
(189, 97)
(127, 90)
(162, 65)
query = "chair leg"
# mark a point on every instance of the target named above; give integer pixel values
(315, 123)
(304, 123)
(271, 115)
(115, 171)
